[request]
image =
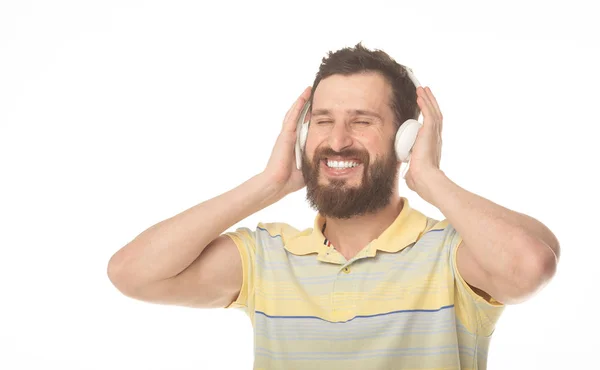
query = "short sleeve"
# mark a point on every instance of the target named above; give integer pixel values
(245, 240)
(475, 312)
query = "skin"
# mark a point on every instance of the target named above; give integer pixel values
(504, 254)
(336, 124)
(186, 260)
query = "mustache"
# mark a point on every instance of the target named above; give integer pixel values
(323, 153)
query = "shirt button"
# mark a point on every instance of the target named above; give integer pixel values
(346, 270)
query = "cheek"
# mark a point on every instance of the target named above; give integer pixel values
(374, 148)
(312, 142)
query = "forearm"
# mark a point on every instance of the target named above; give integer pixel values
(167, 248)
(497, 237)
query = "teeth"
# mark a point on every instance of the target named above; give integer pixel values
(341, 164)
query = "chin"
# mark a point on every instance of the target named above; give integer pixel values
(352, 183)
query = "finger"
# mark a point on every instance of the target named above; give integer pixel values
(291, 117)
(435, 109)
(434, 103)
(425, 105)
(299, 101)
(433, 118)
(428, 128)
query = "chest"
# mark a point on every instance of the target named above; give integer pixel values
(338, 292)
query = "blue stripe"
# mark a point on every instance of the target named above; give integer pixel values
(417, 321)
(397, 325)
(425, 322)
(355, 317)
(268, 233)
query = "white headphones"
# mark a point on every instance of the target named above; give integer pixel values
(405, 137)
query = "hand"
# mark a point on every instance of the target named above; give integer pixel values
(281, 169)
(427, 151)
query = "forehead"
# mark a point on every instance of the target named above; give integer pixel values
(367, 90)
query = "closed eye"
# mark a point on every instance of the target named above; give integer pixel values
(357, 122)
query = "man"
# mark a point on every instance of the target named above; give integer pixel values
(374, 284)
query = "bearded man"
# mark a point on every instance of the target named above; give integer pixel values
(374, 284)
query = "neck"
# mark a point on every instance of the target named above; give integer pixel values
(350, 236)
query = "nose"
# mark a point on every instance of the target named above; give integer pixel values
(339, 137)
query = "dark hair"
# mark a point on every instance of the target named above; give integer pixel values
(359, 59)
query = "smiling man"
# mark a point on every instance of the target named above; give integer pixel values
(341, 179)
(374, 284)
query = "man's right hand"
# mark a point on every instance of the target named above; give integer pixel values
(281, 169)
(185, 259)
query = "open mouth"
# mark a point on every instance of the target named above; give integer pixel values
(340, 167)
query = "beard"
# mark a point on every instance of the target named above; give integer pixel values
(339, 200)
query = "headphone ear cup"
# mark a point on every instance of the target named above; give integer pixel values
(405, 139)
(301, 134)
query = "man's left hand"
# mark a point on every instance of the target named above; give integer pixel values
(427, 151)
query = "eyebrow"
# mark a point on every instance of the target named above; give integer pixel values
(356, 112)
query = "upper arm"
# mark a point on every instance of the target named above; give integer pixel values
(476, 301)
(476, 277)
(510, 283)
(213, 280)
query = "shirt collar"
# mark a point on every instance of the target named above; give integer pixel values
(406, 229)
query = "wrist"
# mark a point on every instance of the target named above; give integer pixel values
(430, 184)
(271, 190)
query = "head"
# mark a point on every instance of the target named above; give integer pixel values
(360, 97)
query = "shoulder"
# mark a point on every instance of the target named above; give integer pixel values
(439, 233)
(442, 227)
(279, 230)
(431, 226)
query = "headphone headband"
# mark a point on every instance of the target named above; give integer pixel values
(412, 76)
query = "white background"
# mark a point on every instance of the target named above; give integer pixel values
(115, 115)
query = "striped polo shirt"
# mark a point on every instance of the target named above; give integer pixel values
(400, 303)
